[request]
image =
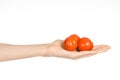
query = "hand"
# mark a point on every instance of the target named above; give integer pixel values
(56, 49)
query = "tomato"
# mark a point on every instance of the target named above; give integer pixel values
(85, 44)
(74, 42)
(70, 44)
(74, 36)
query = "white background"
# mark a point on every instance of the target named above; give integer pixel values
(43, 21)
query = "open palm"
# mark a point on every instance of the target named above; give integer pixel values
(56, 49)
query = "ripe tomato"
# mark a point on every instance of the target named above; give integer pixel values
(70, 44)
(85, 44)
(74, 36)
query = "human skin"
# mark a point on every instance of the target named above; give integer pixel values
(53, 49)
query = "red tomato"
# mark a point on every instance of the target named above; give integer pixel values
(70, 44)
(74, 36)
(85, 44)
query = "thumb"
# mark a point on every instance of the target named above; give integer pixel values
(58, 42)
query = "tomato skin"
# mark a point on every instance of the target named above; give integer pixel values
(75, 36)
(85, 44)
(70, 44)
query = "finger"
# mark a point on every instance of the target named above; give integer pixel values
(97, 49)
(101, 48)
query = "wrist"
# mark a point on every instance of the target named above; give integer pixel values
(42, 50)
